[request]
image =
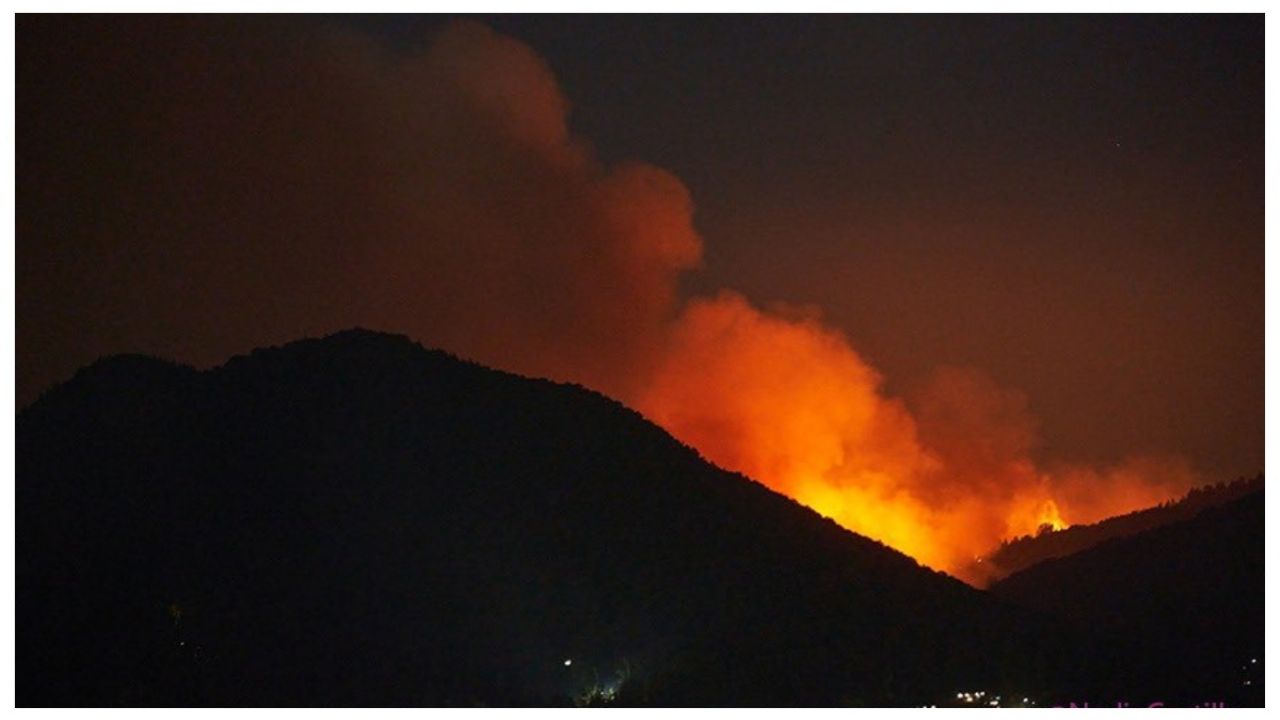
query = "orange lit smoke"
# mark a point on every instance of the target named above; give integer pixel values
(787, 401)
(440, 192)
(569, 268)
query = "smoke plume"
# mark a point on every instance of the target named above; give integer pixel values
(221, 184)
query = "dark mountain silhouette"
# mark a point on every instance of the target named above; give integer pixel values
(1023, 552)
(1173, 614)
(359, 521)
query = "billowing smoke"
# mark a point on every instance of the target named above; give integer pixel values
(239, 183)
(221, 184)
(787, 400)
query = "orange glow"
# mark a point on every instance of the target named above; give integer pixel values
(1050, 517)
(441, 192)
(787, 401)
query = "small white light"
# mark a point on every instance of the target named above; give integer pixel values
(567, 663)
(1253, 660)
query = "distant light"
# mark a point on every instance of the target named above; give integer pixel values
(567, 663)
(1253, 660)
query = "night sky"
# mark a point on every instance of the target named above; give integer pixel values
(1070, 207)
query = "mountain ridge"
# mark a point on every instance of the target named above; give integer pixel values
(1029, 550)
(456, 534)
(1146, 598)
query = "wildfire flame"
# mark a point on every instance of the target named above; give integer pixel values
(787, 401)
(458, 205)
(1050, 517)
(557, 251)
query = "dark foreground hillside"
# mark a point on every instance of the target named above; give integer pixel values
(359, 521)
(1174, 614)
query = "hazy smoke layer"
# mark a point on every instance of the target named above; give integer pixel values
(242, 182)
(224, 184)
